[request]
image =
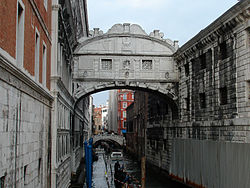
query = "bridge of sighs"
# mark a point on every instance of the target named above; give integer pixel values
(125, 57)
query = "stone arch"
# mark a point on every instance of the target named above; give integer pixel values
(169, 94)
(114, 138)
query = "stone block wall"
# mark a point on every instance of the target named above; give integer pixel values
(25, 133)
(214, 86)
(213, 125)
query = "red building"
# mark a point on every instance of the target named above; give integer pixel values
(125, 98)
(97, 116)
(25, 36)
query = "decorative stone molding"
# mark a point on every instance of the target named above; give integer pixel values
(18, 79)
(128, 31)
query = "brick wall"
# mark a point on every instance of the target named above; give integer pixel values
(8, 27)
(35, 17)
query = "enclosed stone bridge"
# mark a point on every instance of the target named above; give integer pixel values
(125, 57)
(111, 137)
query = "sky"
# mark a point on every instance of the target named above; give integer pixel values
(177, 19)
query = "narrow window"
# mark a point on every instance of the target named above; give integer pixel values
(223, 50)
(37, 43)
(124, 97)
(20, 35)
(187, 103)
(124, 114)
(186, 66)
(124, 124)
(202, 100)
(2, 180)
(39, 169)
(223, 95)
(25, 175)
(203, 61)
(124, 105)
(44, 71)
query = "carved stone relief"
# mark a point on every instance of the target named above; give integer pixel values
(126, 43)
(126, 65)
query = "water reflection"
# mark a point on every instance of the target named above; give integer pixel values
(103, 173)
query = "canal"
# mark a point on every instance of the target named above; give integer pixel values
(103, 174)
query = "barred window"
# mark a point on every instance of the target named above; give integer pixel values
(202, 100)
(223, 95)
(186, 66)
(106, 64)
(203, 61)
(223, 50)
(124, 105)
(147, 65)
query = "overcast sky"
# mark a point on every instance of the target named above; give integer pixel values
(177, 19)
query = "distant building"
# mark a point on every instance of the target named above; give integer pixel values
(125, 98)
(113, 112)
(105, 117)
(97, 117)
(100, 117)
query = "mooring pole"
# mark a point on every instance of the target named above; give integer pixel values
(86, 161)
(89, 166)
(143, 172)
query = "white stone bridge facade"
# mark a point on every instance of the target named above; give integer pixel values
(125, 57)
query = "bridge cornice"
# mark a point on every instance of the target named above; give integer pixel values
(115, 35)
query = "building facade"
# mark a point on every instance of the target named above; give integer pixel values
(124, 99)
(105, 111)
(214, 103)
(113, 112)
(194, 138)
(70, 117)
(25, 100)
(97, 116)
